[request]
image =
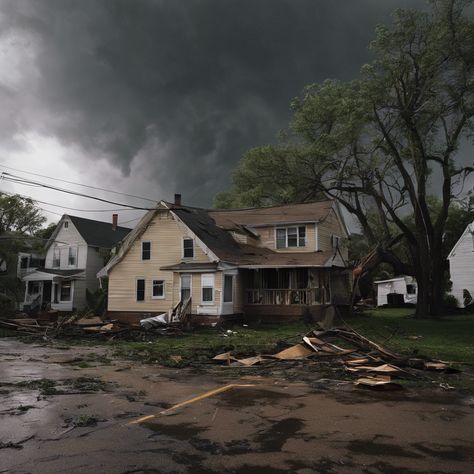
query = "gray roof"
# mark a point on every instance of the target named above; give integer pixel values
(98, 233)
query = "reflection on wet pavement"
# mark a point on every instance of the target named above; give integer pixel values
(68, 410)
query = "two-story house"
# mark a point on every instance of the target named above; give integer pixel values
(277, 261)
(74, 254)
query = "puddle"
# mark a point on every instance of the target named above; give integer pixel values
(182, 431)
(374, 448)
(250, 396)
(273, 439)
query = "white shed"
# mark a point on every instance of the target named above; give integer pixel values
(461, 265)
(404, 285)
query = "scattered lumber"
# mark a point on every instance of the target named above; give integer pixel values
(374, 365)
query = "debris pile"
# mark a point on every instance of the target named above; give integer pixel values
(64, 326)
(374, 365)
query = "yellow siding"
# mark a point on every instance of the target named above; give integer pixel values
(267, 238)
(238, 294)
(331, 226)
(165, 235)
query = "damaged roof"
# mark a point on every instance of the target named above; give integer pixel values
(290, 213)
(209, 226)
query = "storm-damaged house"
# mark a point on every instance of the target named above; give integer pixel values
(74, 254)
(461, 267)
(285, 261)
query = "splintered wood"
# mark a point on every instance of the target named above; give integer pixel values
(374, 364)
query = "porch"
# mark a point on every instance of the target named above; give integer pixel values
(293, 292)
(50, 288)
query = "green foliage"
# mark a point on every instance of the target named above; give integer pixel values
(467, 297)
(450, 302)
(7, 306)
(96, 301)
(19, 215)
(377, 144)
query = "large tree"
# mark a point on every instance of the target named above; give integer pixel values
(19, 219)
(381, 143)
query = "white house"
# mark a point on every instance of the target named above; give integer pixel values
(461, 265)
(73, 258)
(403, 285)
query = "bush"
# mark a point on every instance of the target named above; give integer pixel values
(7, 306)
(450, 302)
(467, 297)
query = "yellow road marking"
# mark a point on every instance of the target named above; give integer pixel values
(192, 400)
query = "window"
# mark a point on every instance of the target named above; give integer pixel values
(228, 288)
(185, 287)
(34, 287)
(207, 284)
(66, 224)
(72, 260)
(146, 250)
(335, 241)
(411, 289)
(65, 294)
(24, 262)
(56, 257)
(188, 248)
(158, 289)
(140, 290)
(291, 237)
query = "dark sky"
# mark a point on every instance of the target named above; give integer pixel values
(165, 95)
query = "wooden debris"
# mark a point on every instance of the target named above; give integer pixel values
(378, 382)
(295, 352)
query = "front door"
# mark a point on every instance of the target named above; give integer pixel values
(47, 287)
(185, 287)
(228, 294)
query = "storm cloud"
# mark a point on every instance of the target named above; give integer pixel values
(183, 88)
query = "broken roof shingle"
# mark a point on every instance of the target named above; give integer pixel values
(208, 225)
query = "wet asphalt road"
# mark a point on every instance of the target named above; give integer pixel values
(272, 426)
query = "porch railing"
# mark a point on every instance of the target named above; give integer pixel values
(306, 296)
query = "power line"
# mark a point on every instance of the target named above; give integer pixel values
(69, 208)
(19, 180)
(77, 184)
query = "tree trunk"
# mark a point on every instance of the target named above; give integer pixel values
(437, 286)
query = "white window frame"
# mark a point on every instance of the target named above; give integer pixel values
(141, 251)
(285, 228)
(76, 249)
(136, 290)
(194, 248)
(60, 299)
(204, 276)
(162, 297)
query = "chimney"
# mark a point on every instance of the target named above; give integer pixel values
(114, 221)
(177, 199)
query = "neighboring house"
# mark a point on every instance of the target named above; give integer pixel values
(276, 261)
(73, 258)
(461, 265)
(403, 285)
(28, 262)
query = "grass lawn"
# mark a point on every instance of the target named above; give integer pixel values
(449, 338)
(204, 344)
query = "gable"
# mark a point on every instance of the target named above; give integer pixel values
(165, 234)
(467, 238)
